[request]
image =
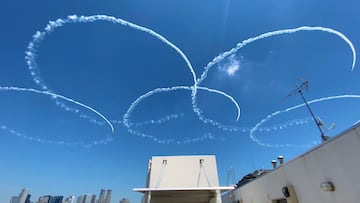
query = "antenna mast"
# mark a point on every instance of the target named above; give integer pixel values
(299, 89)
(231, 176)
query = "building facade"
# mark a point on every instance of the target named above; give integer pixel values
(182, 179)
(327, 173)
(50, 199)
(70, 199)
(24, 197)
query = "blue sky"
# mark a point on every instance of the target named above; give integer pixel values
(107, 66)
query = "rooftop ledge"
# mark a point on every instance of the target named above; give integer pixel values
(222, 189)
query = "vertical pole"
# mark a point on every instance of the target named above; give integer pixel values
(323, 138)
(148, 197)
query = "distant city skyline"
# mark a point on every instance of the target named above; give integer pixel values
(25, 197)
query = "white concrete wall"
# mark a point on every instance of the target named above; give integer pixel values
(183, 172)
(337, 160)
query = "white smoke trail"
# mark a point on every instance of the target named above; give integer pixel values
(158, 121)
(148, 122)
(240, 45)
(60, 142)
(20, 89)
(168, 89)
(206, 136)
(130, 125)
(283, 126)
(52, 25)
(270, 116)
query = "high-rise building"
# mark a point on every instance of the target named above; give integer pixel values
(124, 200)
(93, 199)
(70, 199)
(50, 199)
(23, 195)
(14, 199)
(44, 199)
(80, 199)
(88, 198)
(108, 196)
(55, 199)
(28, 199)
(102, 196)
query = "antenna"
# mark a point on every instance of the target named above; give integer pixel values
(322, 124)
(317, 120)
(230, 176)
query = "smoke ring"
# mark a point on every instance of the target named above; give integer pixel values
(21, 89)
(52, 25)
(127, 115)
(270, 116)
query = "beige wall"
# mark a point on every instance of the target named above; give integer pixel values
(182, 179)
(183, 171)
(337, 160)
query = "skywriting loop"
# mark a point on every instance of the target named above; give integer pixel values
(270, 116)
(39, 36)
(52, 25)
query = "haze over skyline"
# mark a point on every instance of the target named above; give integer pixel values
(106, 85)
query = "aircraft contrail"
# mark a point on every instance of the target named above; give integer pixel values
(46, 141)
(148, 122)
(206, 136)
(52, 25)
(20, 89)
(158, 121)
(240, 45)
(168, 89)
(270, 116)
(285, 125)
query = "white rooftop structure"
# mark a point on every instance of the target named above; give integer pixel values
(185, 179)
(327, 173)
